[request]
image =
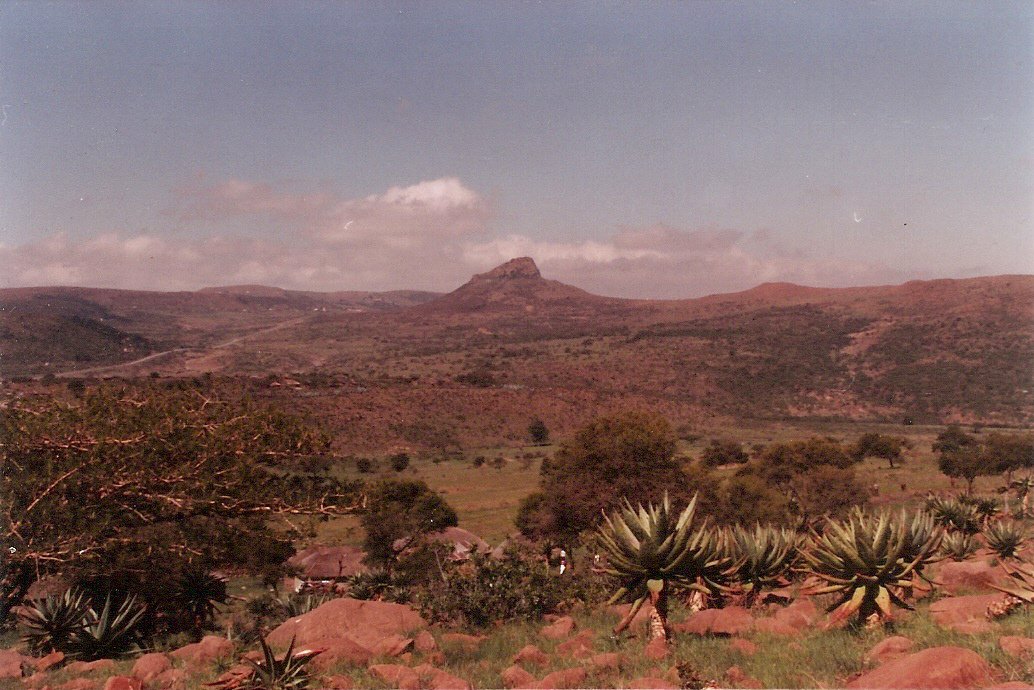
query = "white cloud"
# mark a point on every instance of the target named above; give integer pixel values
(430, 235)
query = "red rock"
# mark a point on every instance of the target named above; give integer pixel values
(559, 629)
(516, 677)
(338, 683)
(365, 623)
(889, 648)
(565, 678)
(651, 683)
(11, 663)
(641, 618)
(204, 652)
(392, 645)
(774, 626)
(150, 666)
(1011, 685)
(424, 642)
(530, 654)
(79, 668)
(468, 643)
(963, 614)
(800, 614)
(49, 661)
(738, 679)
(341, 651)
(937, 667)
(1015, 646)
(173, 679)
(607, 661)
(396, 675)
(79, 684)
(732, 620)
(745, 647)
(123, 683)
(978, 575)
(656, 649)
(36, 680)
(578, 647)
(437, 679)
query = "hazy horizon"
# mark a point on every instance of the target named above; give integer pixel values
(633, 150)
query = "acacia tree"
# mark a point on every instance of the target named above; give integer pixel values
(127, 483)
(873, 445)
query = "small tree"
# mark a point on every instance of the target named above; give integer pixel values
(724, 453)
(875, 445)
(397, 515)
(538, 432)
(399, 461)
(965, 463)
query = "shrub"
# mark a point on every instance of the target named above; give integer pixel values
(538, 432)
(399, 461)
(723, 453)
(364, 465)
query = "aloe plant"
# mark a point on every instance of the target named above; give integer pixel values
(650, 552)
(198, 594)
(1005, 538)
(871, 561)
(49, 624)
(108, 634)
(959, 546)
(764, 557)
(286, 673)
(955, 514)
(1022, 585)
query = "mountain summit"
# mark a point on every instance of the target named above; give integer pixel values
(520, 268)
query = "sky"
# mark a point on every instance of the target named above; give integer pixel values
(632, 149)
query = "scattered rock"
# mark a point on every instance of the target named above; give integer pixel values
(963, 614)
(204, 652)
(123, 683)
(890, 648)
(173, 679)
(737, 678)
(651, 683)
(530, 654)
(468, 643)
(656, 649)
(516, 677)
(745, 647)
(396, 675)
(565, 678)
(338, 683)
(36, 680)
(364, 622)
(956, 576)
(937, 667)
(1018, 647)
(11, 663)
(392, 645)
(149, 666)
(578, 647)
(49, 661)
(79, 684)
(774, 626)
(437, 679)
(607, 661)
(343, 651)
(1011, 685)
(80, 668)
(424, 642)
(732, 620)
(800, 614)
(559, 629)
(641, 618)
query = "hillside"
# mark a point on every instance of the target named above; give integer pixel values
(509, 344)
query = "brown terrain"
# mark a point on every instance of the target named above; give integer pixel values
(417, 369)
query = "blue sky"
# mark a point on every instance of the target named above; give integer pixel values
(635, 149)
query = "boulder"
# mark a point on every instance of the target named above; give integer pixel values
(350, 630)
(565, 678)
(49, 661)
(774, 626)
(396, 675)
(656, 649)
(530, 654)
(889, 648)
(36, 680)
(745, 647)
(738, 679)
(338, 683)
(424, 642)
(732, 620)
(437, 679)
(578, 647)
(937, 667)
(516, 677)
(974, 575)
(651, 683)
(800, 614)
(1011, 685)
(11, 663)
(79, 684)
(150, 666)
(209, 649)
(468, 643)
(80, 668)
(1018, 647)
(123, 683)
(641, 618)
(173, 679)
(607, 661)
(963, 614)
(559, 629)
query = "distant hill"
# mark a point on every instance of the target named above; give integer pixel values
(942, 350)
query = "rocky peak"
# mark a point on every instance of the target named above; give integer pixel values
(522, 267)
